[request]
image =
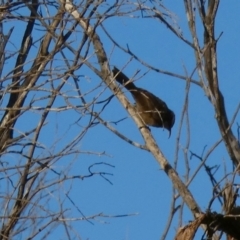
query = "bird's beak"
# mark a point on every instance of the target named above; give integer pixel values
(169, 133)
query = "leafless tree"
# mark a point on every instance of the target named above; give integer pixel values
(48, 106)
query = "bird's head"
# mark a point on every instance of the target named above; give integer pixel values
(169, 124)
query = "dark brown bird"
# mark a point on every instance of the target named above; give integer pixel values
(151, 109)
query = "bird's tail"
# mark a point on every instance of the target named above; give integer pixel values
(123, 79)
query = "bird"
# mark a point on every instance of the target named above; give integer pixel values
(152, 110)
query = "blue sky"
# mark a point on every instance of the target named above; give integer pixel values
(139, 187)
